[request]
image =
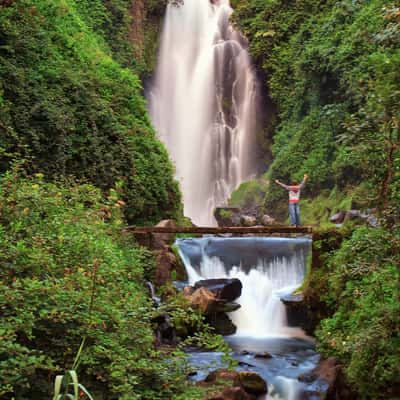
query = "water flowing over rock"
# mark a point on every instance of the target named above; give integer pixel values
(267, 268)
(204, 103)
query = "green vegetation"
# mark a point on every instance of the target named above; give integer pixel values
(69, 278)
(359, 286)
(332, 70)
(68, 108)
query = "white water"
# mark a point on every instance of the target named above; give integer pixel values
(279, 269)
(204, 104)
(262, 314)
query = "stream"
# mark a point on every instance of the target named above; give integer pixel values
(268, 268)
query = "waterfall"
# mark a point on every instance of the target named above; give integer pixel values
(267, 268)
(204, 104)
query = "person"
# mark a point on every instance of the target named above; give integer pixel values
(294, 197)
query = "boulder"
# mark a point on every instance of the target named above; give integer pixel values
(227, 216)
(221, 323)
(267, 220)
(165, 332)
(224, 288)
(338, 218)
(248, 220)
(227, 307)
(188, 291)
(203, 299)
(252, 383)
(232, 393)
(166, 261)
(330, 377)
(222, 375)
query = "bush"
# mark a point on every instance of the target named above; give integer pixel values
(68, 274)
(363, 295)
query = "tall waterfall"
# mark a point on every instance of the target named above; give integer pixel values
(204, 104)
(267, 268)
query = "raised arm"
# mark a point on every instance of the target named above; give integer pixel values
(282, 184)
(303, 182)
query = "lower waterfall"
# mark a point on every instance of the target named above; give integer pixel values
(269, 268)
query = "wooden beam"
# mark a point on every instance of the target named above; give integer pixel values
(221, 230)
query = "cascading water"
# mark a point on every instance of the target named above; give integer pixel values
(276, 267)
(268, 268)
(204, 104)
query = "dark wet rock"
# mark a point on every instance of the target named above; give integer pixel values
(224, 289)
(263, 355)
(221, 323)
(244, 353)
(228, 307)
(292, 298)
(165, 332)
(311, 395)
(252, 382)
(248, 220)
(297, 311)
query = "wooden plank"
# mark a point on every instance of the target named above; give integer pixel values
(221, 230)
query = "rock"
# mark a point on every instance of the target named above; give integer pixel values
(329, 373)
(224, 289)
(227, 216)
(248, 220)
(297, 311)
(252, 383)
(165, 262)
(165, 332)
(267, 220)
(203, 299)
(234, 391)
(222, 375)
(161, 240)
(221, 323)
(353, 215)
(338, 218)
(263, 355)
(228, 307)
(310, 395)
(231, 393)
(188, 291)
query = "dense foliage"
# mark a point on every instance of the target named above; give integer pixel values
(362, 292)
(68, 108)
(333, 71)
(68, 274)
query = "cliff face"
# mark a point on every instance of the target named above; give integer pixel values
(137, 26)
